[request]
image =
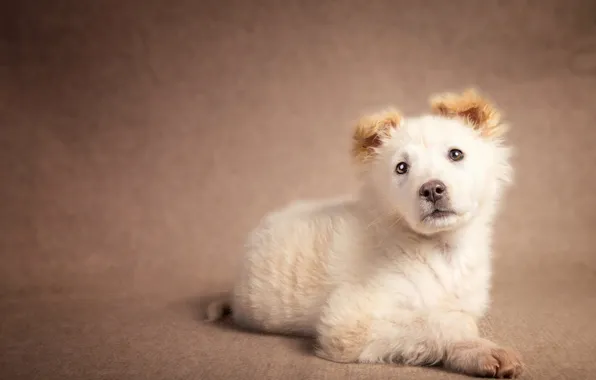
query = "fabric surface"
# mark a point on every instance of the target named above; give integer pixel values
(141, 140)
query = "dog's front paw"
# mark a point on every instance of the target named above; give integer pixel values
(482, 358)
(510, 363)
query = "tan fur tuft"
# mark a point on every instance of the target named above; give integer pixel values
(370, 132)
(473, 109)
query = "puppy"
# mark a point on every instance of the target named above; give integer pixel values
(401, 272)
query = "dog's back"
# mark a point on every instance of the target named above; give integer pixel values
(288, 268)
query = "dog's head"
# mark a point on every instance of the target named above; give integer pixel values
(437, 171)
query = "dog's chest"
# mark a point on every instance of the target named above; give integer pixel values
(448, 272)
(456, 283)
(441, 278)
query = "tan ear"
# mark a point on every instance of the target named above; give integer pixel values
(371, 131)
(473, 109)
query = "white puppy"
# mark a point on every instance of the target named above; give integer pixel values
(401, 272)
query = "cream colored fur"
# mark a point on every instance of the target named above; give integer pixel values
(369, 276)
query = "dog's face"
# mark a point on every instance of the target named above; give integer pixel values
(438, 171)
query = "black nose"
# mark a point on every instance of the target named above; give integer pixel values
(433, 190)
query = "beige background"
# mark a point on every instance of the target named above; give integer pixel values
(141, 140)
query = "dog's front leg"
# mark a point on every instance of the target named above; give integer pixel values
(352, 330)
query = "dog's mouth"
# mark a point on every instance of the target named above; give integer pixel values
(438, 214)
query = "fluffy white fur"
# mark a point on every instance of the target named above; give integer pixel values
(372, 277)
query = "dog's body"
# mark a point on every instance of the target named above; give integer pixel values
(401, 272)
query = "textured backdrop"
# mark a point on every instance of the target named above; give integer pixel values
(141, 140)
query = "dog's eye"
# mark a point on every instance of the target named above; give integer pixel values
(456, 155)
(401, 168)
